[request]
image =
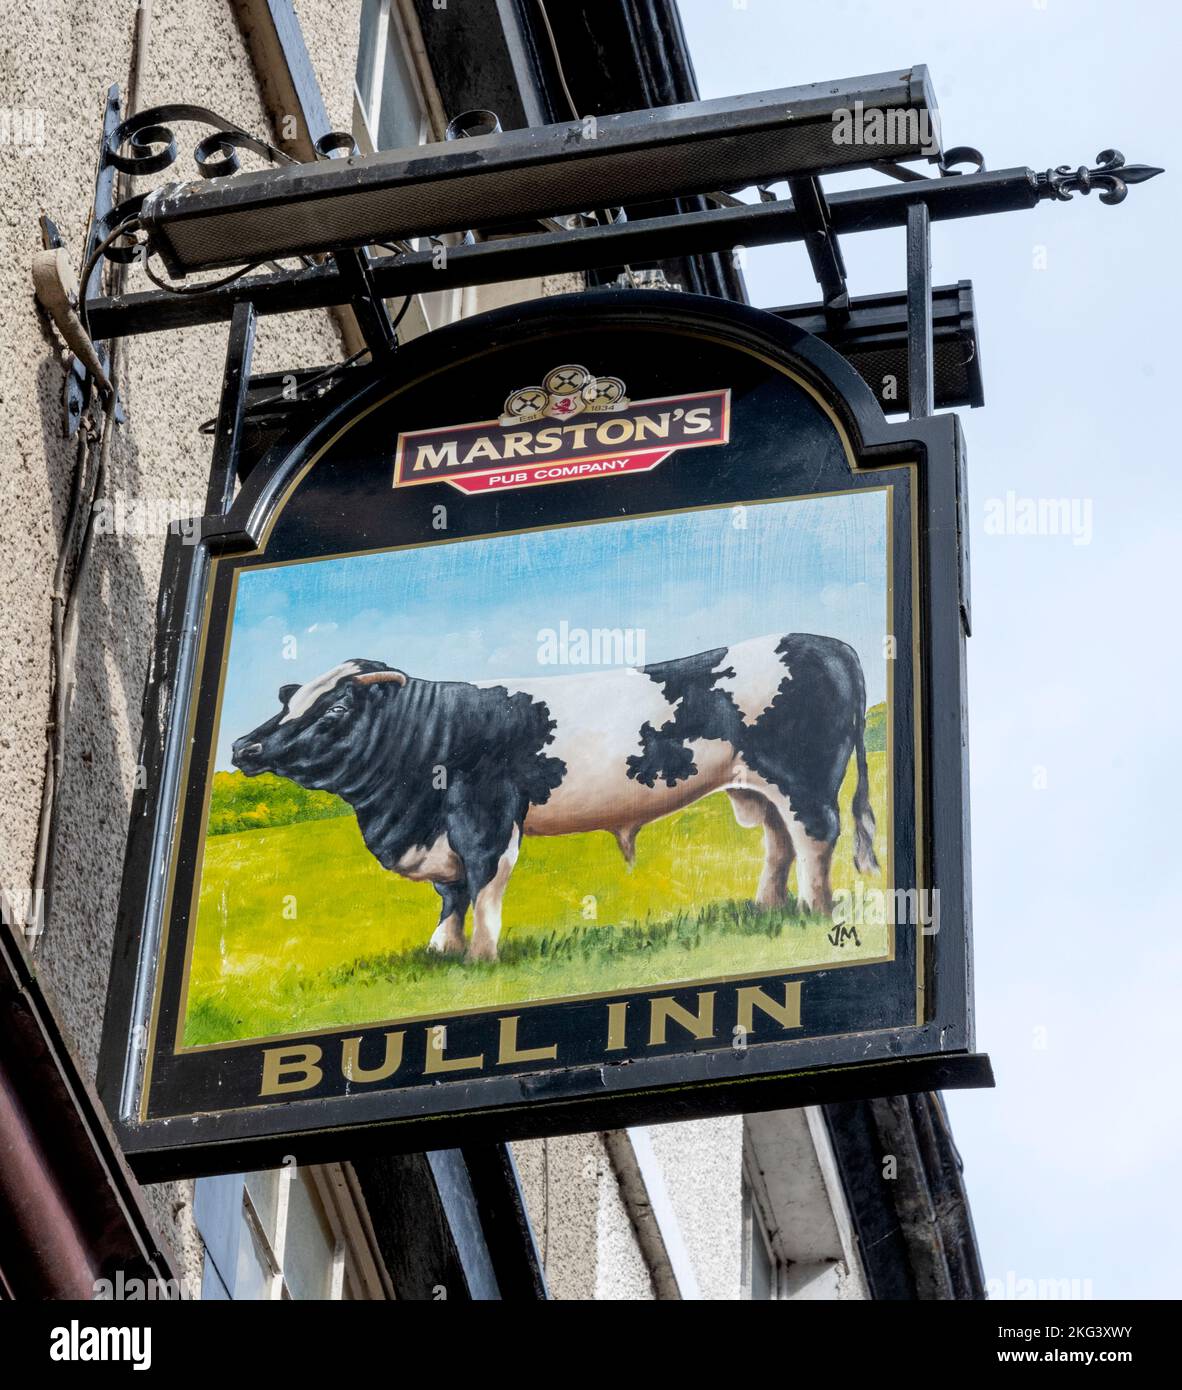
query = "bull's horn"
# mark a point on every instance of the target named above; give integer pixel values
(381, 678)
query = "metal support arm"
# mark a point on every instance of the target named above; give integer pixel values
(585, 248)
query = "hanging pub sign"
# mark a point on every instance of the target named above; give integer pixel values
(564, 732)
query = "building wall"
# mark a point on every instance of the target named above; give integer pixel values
(585, 1231)
(702, 1164)
(584, 1234)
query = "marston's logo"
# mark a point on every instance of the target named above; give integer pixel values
(532, 443)
(564, 392)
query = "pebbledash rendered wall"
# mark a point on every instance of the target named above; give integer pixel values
(583, 1228)
(59, 57)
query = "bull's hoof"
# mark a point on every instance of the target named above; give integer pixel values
(447, 943)
(482, 951)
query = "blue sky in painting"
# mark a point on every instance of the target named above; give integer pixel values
(475, 611)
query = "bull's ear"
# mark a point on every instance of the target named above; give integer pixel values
(381, 678)
(286, 692)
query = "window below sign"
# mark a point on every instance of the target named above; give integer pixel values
(390, 113)
(283, 1234)
(761, 1268)
(389, 103)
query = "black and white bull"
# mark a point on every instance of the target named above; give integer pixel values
(445, 776)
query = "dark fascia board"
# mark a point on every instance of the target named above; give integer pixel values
(508, 1234)
(913, 1227)
(950, 1203)
(622, 56)
(625, 56)
(427, 1225)
(452, 1223)
(858, 1153)
(476, 1221)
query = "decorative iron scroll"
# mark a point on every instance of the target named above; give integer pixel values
(960, 154)
(1111, 175)
(215, 155)
(152, 148)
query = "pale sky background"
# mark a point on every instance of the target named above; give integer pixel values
(682, 584)
(1072, 1163)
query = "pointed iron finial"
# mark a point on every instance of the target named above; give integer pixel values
(1111, 175)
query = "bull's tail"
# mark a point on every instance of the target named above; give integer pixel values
(865, 860)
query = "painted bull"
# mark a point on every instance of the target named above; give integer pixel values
(445, 776)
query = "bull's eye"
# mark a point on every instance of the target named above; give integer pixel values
(337, 709)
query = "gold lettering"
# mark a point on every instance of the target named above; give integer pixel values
(510, 1052)
(646, 425)
(351, 1059)
(515, 444)
(613, 432)
(617, 1018)
(434, 454)
(697, 420)
(484, 448)
(751, 997)
(437, 1062)
(279, 1061)
(665, 1011)
(548, 440)
(579, 432)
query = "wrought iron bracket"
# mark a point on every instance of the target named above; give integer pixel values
(958, 154)
(78, 383)
(145, 144)
(821, 244)
(1111, 175)
(580, 248)
(373, 318)
(152, 146)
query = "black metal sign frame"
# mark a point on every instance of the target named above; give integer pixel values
(903, 1023)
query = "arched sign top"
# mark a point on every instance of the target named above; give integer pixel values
(563, 732)
(471, 407)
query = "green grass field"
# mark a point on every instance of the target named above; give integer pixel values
(298, 926)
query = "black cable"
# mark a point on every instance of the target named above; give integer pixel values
(125, 227)
(208, 426)
(129, 224)
(201, 288)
